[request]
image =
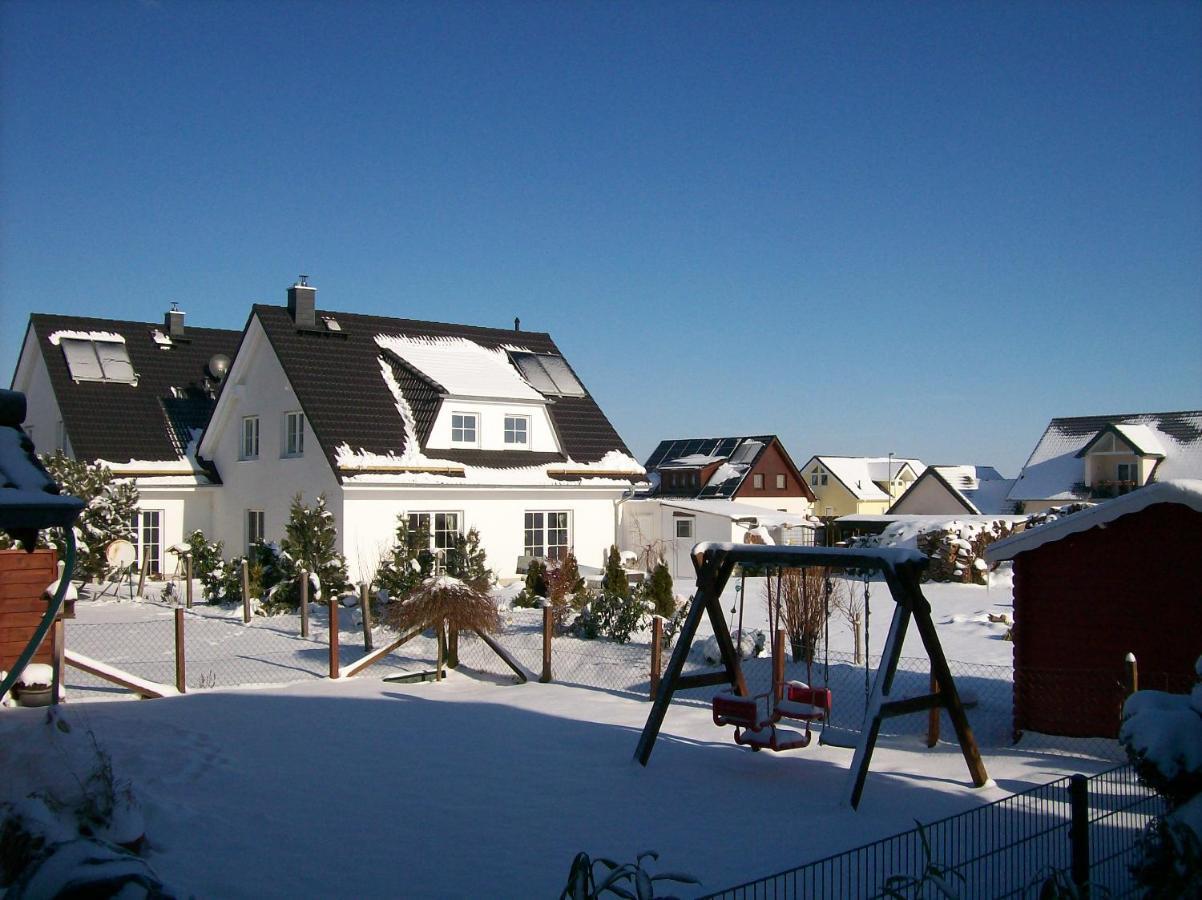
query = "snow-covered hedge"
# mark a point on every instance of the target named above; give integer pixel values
(956, 548)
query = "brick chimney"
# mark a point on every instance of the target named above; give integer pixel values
(302, 303)
(173, 322)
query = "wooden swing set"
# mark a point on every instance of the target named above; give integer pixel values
(756, 718)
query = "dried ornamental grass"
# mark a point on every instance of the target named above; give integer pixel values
(445, 600)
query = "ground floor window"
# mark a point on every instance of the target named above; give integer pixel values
(443, 527)
(547, 534)
(148, 539)
(254, 528)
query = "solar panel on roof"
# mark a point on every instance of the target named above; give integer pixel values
(747, 452)
(565, 381)
(547, 374)
(93, 360)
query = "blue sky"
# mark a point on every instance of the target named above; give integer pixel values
(919, 228)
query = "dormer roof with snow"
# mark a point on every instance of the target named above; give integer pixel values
(718, 468)
(375, 389)
(130, 394)
(1170, 442)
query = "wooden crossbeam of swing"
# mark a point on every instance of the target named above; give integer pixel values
(702, 679)
(894, 708)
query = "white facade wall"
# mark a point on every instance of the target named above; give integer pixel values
(651, 525)
(929, 498)
(491, 425)
(259, 388)
(183, 510)
(43, 421)
(798, 505)
(369, 519)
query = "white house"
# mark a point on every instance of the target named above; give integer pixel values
(453, 426)
(956, 490)
(135, 396)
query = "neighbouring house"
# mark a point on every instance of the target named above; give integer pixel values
(134, 396)
(1098, 457)
(715, 489)
(452, 426)
(1092, 586)
(956, 490)
(858, 485)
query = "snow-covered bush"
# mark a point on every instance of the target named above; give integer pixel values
(659, 592)
(618, 611)
(207, 561)
(107, 517)
(467, 561)
(1053, 513)
(748, 644)
(566, 589)
(535, 589)
(956, 548)
(309, 541)
(1162, 734)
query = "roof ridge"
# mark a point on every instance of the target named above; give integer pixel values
(498, 332)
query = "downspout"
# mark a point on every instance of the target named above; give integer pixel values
(628, 494)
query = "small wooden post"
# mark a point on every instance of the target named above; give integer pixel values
(548, 627)
(778, 664)
(365, 609)
(657, 652)
(452, 647)
(1130, 674)
(188, 583)
(1078, 832)
(57, 637)
(442, 650)
(142, 575)
(180, 676)
(333, 606)
(304, 603)
(933, 715)
(245, 593)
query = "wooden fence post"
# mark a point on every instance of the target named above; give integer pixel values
(304, 603)
(57, 637)
(188, 583)
(442, 650)
(365, 609)
(933, 715)
(1078, 831)
(548, 627)
(778, 664)
(333, 606)
(142, 575)
(245, 593)
(1130, 674)
(181, 683)
(657, 653)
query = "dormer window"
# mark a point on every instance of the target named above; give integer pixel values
(464, 428)
(517, 431)
(98, 360)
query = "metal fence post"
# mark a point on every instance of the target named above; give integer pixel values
(333, 606)
(245, 593)
(365, 609)
(657, 653)
(1078, 831)
(180, 675)
(548, 627)
(304, 603)
(188, 584)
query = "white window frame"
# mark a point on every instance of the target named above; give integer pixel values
(1132, 472)
(250, 519)
(442, 537)
(294, 434)
(511, 427)
(148, 536)
(536, 533)
(462, 428)
(689, 531)
(245, 448)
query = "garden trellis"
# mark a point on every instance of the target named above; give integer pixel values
(901, 569)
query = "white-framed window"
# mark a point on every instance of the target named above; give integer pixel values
(1128, 472)
(255, 531)
(780, 482)
(464, 428)
(148, 539)
(684, 528)
(547, 534)
(294, 434)
(814, 480)
(249, 448)
(757, 481)
(824, 478)
(443, 527)
(517, 431)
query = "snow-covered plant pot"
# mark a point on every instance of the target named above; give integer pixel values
(35, 687)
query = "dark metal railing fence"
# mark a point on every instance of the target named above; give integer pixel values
(1078, 830)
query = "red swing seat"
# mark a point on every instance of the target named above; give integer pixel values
(804, 702)
(753, 730)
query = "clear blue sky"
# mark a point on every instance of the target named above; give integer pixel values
(921, 228)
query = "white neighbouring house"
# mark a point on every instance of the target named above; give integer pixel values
(956, 490)
(453, 426)
(134, 396)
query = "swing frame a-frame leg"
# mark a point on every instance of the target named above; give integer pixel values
(715, 563)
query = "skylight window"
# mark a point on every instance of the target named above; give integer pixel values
(547, 373)
(97, 360)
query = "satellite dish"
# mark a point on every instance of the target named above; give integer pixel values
(219, 366)
(120, 554)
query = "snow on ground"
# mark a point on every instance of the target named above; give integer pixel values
(468, 789)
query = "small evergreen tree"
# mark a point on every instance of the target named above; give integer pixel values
(309, 542)
(617, 612)
(408, 563)
(565, 588)
(659, 592)
(536, 586)
(467, 561)
(206, 563)
(614, 581)
(108, 516)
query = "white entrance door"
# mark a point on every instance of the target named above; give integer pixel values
(684, 530)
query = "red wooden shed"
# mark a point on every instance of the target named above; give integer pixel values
(1121, 577)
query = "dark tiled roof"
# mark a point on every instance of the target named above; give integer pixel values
(338, 381)
(146, 421)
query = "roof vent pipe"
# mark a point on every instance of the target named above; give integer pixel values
(173, 322)
(517, 324)
(302, 303)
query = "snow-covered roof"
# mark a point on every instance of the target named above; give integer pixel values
(29, 498)
(735, 458)
(1187, 492)
(1054, 470)
(981, 488)
(860, 474)
(463, 368)
(736, 512)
